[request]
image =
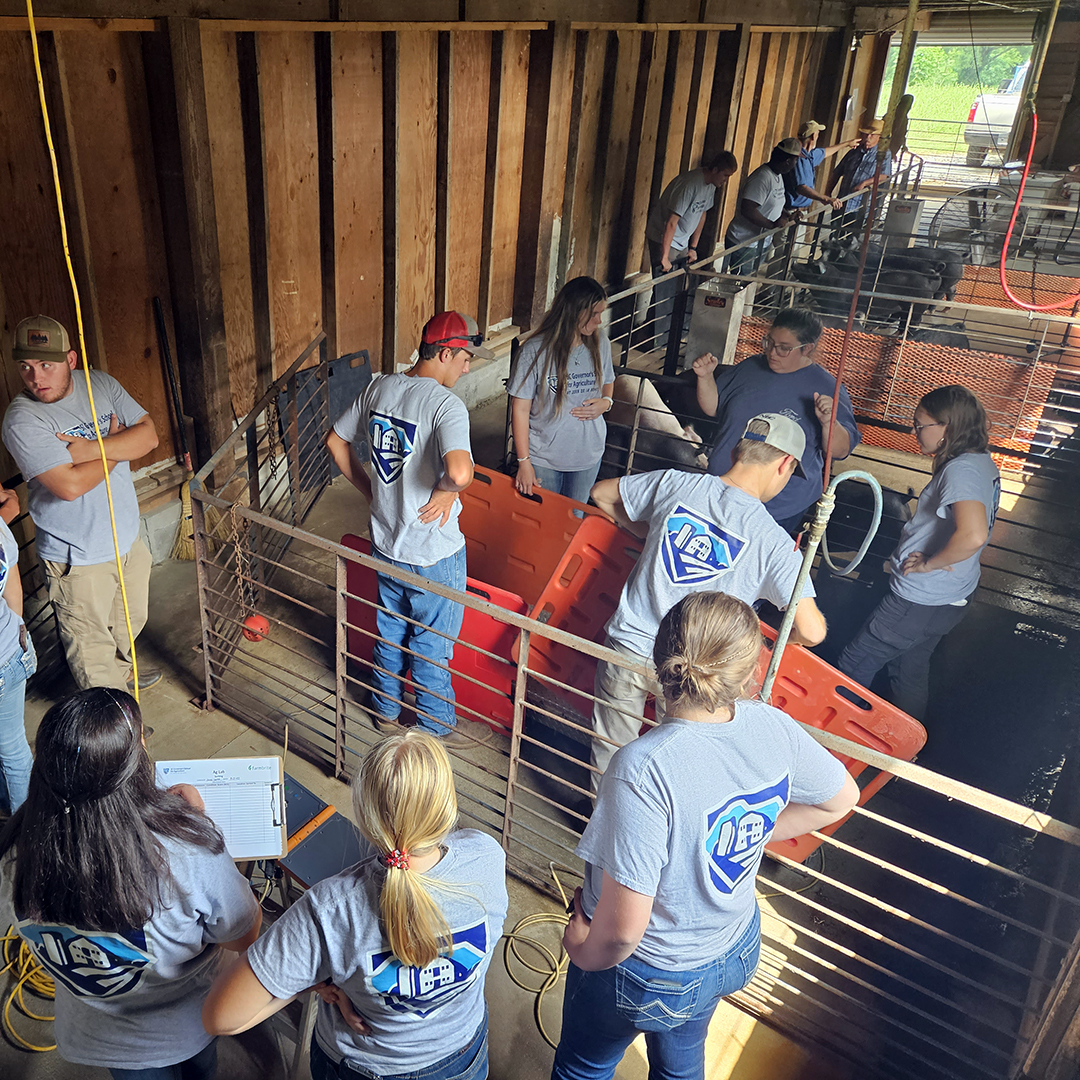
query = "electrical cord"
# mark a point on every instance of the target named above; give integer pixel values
(82, 336)
(28, 973)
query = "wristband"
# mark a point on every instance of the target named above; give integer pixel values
(610, 401)
(521, 459)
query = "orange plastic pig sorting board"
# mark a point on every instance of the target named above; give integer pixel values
(491, 702)
(514, 541)
(581, 596)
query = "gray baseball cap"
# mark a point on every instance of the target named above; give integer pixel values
(784, 434)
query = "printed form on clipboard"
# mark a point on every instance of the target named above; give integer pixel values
(245, 799)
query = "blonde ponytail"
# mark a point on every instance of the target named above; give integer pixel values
(405, 805)
(707, 650)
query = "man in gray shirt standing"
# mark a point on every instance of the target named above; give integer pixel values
(421, 458)
(673, 232)
(49, 430)
(701, 533)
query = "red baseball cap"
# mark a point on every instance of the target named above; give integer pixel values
(457, 330)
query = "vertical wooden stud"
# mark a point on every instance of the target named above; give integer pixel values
(324, 127)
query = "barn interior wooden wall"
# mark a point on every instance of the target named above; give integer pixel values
(268, 180)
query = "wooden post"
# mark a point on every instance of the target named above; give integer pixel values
(56, 91)
(209, 400)
(324, 118)
(247, 66)
(547, 132)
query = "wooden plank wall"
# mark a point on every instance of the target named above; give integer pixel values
(424, 130)
(776, 89)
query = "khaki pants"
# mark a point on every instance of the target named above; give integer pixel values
(619, 709)
(90, 615)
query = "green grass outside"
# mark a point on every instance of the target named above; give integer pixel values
(937, 118)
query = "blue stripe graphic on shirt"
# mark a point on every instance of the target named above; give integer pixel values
(696, 550)
(392, 442)
(737, 832)
(85, 430)
(422, 990)
(90, 963)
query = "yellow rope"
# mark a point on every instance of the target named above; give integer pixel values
(28, 974)
(555, 966)
(82, 334)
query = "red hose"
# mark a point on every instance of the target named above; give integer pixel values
(1069, 301)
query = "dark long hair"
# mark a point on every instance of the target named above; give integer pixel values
(87, 841)
(575, 299)
(966, 426)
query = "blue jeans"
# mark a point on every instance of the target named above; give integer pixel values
(15, 757)
(603, 1011)
(746, 260)
(468, 1063)
(434, 614)
(200, 1067)
(574, 485)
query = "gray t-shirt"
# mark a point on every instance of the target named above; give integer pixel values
(703, 799)
(77, 532)
(971, 477)
(133, 1000)
(416, 1016)
(411, 423)
(689, 196)
(704, 536)
(9, 621)
(558, 440)
(766, 188)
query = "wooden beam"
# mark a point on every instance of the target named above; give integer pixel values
(211, 408)
(46, 24)
(338, 27)
(247, 63)
(389, 190)
(443, 87)
(654, 51)
(54, 71)
(611, 244)
(677, 101)
(226, 127)
(358, 193)
(414, 161)
(324, 127)
(701, 96)
(551, 75)
(468, 91)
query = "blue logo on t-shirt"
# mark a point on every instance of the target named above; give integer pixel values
(737, 832)
(90, 963)
(86, 429)
(695, 550)
(421, 990)
(391, 444)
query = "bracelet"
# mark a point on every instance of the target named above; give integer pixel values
(521, 459)
(610, 401)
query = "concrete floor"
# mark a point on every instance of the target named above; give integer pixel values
(738, 1048)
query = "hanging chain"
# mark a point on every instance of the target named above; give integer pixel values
(240, 525)
(273, 435)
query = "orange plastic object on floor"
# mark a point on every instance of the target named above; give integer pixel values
(514, 541)
(582, 595)
(491, 703)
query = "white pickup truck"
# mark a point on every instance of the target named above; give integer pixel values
(991, 119)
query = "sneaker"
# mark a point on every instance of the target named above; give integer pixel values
(465, 734)
(147, 677)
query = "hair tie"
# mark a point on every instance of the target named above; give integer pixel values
(396, 860)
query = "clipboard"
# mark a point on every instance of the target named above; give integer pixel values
(245, 799)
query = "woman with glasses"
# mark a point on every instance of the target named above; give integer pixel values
(782, 378)
(667, 923)
(935, 567)
(561, 387)
(124, 892)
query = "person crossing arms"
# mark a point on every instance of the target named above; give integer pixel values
(702, 533)
(418, 434)
(49, 430)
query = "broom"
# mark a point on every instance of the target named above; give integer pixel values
(184, 548)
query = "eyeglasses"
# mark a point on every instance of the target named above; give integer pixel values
(461, 340)
(918, 427)
(768, 346)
